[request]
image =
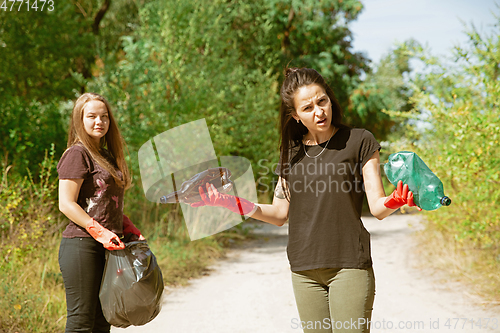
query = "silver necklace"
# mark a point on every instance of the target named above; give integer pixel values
(321, 152)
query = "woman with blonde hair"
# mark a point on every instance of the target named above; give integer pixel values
(93, 176)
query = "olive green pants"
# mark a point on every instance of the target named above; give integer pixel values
(334, 300)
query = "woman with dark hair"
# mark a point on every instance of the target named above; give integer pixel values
(324, 171)
(93, 176)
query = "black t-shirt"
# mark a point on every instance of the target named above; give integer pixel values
(99, 195)
(326, 199)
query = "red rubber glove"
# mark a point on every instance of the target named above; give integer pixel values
(400, 197)
(109, 239)
(130, 228)
(215, 198)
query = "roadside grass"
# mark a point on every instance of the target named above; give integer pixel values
(477, 269)
(32, 294)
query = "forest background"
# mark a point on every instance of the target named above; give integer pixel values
(165, 63)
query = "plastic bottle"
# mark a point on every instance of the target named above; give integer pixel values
(427, 189)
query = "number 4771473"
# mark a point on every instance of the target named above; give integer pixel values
(26, 5)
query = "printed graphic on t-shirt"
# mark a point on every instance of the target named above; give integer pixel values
(99, 195)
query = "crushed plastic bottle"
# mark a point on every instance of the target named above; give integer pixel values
(428, 192)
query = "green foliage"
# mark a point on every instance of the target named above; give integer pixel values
(459, 103)
(315, 34)
(32, 293)
(183, 64)
(27, 130)
(274, 34)
(384, 88)
(38, 56)
(26, 212)
(47, 58)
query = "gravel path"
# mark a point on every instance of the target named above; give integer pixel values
(250, 291)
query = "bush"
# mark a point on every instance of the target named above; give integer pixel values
(27, 211)
(32, 293)
(459, 105)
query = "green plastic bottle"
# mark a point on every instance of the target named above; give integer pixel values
(427, 189)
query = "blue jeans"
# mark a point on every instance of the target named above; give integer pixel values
(334, 299)
(81, 261)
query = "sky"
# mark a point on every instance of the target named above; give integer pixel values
(432, 22)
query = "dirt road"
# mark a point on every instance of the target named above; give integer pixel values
(251, 291)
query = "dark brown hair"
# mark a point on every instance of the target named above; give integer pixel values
(291, 132)
(111, 144)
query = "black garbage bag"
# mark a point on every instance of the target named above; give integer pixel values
(131, 286)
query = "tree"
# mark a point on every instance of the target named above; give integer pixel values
(273, 34)
(387, 87)
(39, 55)
(184, 64)
(458, 100)
(47, 58)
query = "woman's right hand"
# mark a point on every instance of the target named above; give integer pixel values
(107, 238)
(215, 198)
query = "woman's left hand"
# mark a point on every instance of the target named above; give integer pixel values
(129, 227)
(134, 238)
(400, 197)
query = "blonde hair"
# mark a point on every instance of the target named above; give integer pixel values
(113, 141)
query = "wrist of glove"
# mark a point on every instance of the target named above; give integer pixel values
(107, 238)
(400, 197)
(130, 228)
(215, 198)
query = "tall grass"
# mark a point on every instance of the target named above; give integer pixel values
(32, 295)
(461, 261)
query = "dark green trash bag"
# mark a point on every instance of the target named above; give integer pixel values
(132, 286)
